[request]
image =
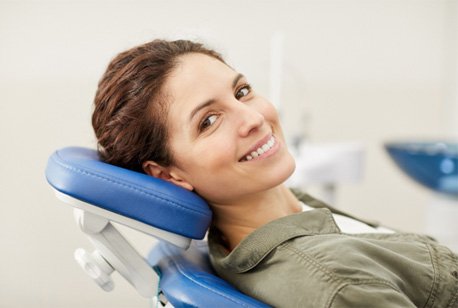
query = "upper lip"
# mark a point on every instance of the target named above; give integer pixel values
(257, 145)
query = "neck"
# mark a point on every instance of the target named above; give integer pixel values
(241, 217)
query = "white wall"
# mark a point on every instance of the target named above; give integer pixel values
(370, 71)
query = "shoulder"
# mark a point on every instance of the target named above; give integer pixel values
(331, 268)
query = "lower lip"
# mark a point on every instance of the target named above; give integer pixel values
(267, 154)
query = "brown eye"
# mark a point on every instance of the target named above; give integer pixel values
(243, 91)
(207, 122)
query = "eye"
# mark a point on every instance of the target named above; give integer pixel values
(207, 122)
(243, 91)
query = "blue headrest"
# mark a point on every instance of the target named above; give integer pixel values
(79, 173)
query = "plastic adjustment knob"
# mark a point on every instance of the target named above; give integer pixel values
(96, 267)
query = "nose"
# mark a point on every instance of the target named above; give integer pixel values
(250, 119)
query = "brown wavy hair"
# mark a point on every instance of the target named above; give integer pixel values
(130, 108)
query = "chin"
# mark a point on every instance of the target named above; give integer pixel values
(283, 171)
(290, 167)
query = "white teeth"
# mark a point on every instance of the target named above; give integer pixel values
(262, 149)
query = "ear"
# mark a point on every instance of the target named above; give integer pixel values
(163, 173)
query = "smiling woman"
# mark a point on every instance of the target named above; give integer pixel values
(175, 110)
(215, 121)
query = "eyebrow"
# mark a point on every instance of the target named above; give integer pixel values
(212, 101)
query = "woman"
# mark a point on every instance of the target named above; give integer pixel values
(175, 110)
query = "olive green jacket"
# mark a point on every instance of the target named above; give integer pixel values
(304, 260)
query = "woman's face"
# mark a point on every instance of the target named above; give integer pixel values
(226, 141)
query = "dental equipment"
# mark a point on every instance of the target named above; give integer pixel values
(177, 272)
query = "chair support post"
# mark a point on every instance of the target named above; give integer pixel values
(118, 254)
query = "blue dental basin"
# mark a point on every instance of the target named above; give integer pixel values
(432, 164)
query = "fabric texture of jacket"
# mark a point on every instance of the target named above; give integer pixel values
(304, 260)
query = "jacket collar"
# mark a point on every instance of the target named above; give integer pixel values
(258, 244)
(315, 203)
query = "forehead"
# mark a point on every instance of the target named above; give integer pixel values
(195, 76)
(196, 79)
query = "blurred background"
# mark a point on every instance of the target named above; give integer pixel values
(364, 72)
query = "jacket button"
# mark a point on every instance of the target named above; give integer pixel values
(455, 274)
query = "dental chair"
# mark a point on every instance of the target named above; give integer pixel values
(176, 273)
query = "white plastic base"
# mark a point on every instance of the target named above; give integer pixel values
(113, 252)
(175, 239)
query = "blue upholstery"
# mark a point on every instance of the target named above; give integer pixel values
(187, 279)
(79, 173)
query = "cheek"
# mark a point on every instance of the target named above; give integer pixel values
(268, 110)
(204, 159)
(271, 114)
(214, 155)
(213, 164)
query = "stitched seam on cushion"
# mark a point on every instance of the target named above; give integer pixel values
(85, 172)
(359, 282)
(180, 269)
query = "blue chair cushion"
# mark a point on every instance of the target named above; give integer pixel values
(79, 173)
(187, 279)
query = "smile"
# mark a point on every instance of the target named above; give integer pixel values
(260, 151)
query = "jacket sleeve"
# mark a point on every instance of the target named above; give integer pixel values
(376, 295)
